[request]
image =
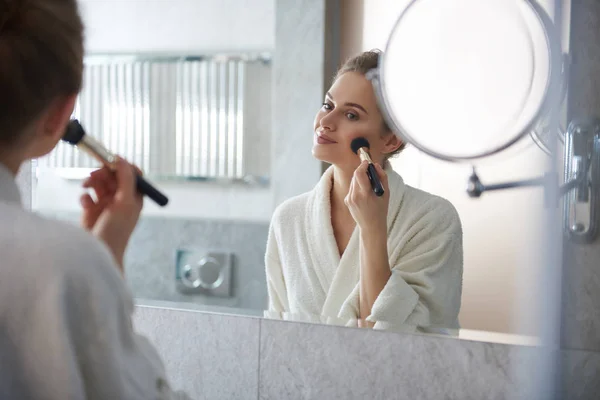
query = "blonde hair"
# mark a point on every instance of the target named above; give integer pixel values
(41, 48)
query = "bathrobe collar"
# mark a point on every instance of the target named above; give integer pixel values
(9, 191)
(337, 275)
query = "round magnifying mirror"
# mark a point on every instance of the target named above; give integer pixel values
(465, 79)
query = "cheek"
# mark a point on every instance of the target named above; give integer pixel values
(356, 130)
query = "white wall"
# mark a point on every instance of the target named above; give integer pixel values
(175, 26)
(178, 25)
(503, 241)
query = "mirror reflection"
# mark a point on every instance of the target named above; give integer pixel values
(271, 211)
(341, 250)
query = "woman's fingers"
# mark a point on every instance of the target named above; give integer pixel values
(102, 181)
(91, 211)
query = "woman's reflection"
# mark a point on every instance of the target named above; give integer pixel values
(340, 251)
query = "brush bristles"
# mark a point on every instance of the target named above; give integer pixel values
(74, 132)
(358, 143)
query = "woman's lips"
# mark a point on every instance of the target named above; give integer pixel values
(322, 139)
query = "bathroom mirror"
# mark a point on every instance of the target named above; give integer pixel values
(206, 250)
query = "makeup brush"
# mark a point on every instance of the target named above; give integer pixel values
(75, 135)
(361, 147)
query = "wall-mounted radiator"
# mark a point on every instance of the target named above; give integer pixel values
(177, 117)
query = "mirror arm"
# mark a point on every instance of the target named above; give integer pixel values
(582, 180)
(475, 187)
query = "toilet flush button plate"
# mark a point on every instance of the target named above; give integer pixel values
(204, 272)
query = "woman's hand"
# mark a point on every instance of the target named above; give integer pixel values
(114, 215)
(368, 210)
(370, 213)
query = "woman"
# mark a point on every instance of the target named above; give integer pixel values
(340, 252)
(65, 313)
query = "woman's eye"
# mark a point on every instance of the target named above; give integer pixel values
(351, 116)
(327, 106)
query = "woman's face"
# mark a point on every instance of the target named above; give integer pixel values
(350, 111)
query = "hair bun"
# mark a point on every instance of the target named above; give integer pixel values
(8, 12)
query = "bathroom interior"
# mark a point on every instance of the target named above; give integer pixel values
(215, 99)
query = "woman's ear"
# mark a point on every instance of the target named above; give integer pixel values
(391, 143)
(57, 116)
(49, 128)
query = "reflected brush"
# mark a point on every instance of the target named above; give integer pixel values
(361, 147)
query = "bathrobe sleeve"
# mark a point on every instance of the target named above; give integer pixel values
(276, 288)
(426, 282)
(93, 307)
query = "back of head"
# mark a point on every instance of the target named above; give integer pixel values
(41, 53)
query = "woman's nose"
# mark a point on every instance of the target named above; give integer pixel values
(327, 122)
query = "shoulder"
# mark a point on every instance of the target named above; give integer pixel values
(433, 210)
(291, 209)
(60, 270)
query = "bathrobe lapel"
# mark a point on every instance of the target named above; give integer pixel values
(324, 255)
(342, 297)
(345, 279)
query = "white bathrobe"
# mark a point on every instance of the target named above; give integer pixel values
(65, 314)
(306, 276)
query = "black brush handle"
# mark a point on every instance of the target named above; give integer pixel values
(145, 187)
(375, 182)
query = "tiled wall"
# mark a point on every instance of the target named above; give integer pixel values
(151, 258)
(299, 71)
(226, 357)
(580, 336)
(581, 270)
(208, 356)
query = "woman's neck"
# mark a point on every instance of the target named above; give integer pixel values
(342, 178)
